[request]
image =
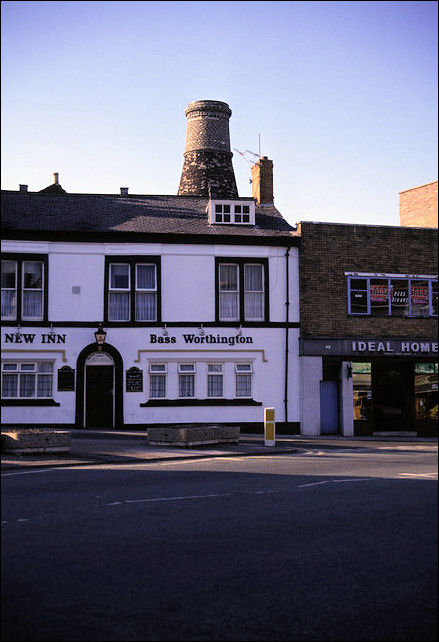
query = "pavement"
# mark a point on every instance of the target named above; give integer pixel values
(90, 447)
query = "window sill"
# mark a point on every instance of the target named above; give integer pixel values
(200, 402)
(29, 402)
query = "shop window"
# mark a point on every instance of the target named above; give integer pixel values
(242, 290)
(186, 380)
(392, 296)
(362, 391)
(24, 288)
(358, 301)
(27, 380)
(157, 380)
(132, 289)
(419, 298)
(426, 391)
(379, 297)
(399, 298)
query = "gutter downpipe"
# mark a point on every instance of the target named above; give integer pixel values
(287, 321)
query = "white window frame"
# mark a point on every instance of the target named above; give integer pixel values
(219, 373)
(146, 290)
(236, 292)
(13, 315)
(114, 290)
(261, 292)
(183, 372)
(158, 370)
(247, 372)
(23, 368)
(24, 290)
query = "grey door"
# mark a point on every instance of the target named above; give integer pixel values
(328, 407)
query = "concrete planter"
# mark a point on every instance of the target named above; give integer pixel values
(19, 442)
(188, 436)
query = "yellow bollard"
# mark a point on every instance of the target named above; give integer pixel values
(269, 427)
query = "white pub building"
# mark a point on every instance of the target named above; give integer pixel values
(136, 310)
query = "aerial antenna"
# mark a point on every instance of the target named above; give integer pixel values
(244, 155)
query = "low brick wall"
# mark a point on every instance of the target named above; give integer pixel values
(18, 442)
(188, 436)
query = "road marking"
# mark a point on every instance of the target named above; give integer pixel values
(183, 461)
(340, 481)
(169, 499)
(419, 475)
(334, 481)
(28, 472)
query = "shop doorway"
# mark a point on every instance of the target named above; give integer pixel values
(392, 395)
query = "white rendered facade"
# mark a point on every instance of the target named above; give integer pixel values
(186, 366)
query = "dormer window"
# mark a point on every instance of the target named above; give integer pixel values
(231, 212)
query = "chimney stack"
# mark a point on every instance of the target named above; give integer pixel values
(262, 181)
(207, 169)
(23, 188)
(55, 178)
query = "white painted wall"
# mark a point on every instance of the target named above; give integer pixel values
(188, 295)
(346, 402)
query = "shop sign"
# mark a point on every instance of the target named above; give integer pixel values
(369, 347)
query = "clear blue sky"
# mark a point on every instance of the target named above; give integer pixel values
(342, 94)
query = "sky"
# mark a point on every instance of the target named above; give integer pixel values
(342, 96)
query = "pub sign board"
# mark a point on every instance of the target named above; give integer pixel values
(66, 379)
(134, 380)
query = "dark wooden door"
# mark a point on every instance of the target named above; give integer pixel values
(99, 397)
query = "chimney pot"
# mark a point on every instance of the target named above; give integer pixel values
(56, 178)
(23, 188)
(124, 191)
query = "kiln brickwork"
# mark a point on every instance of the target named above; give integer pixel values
(207, 168)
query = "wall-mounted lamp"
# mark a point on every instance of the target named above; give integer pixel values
(18, 333)
(201, 331)
(51, 331)
(239, 331)
(100, 335)
(165, 332)
(348, 371)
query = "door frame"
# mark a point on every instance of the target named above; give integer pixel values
(94, 407)
(81, 389)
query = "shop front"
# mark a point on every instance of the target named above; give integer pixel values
(390, 384)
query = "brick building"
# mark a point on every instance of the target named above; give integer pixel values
(368, 310)
(418, 206)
